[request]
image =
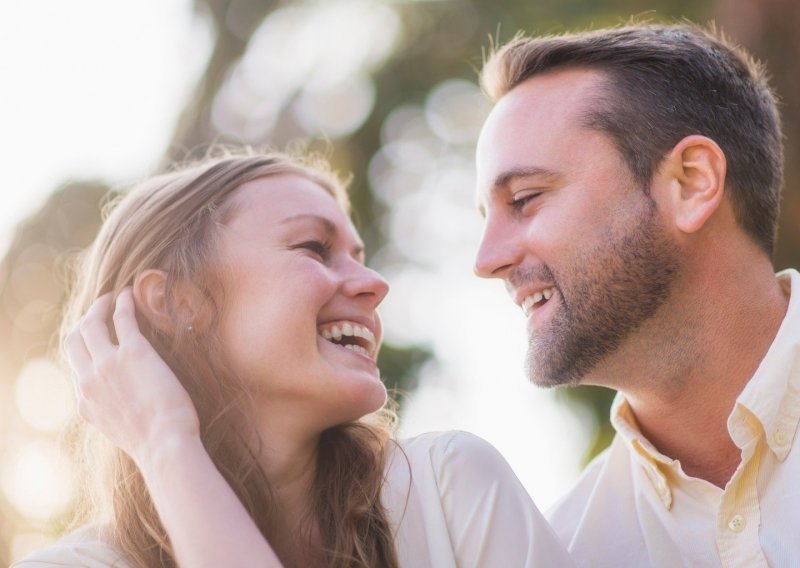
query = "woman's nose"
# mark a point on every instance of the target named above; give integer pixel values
(367, 283)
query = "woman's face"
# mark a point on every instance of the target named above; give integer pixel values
(299, 321)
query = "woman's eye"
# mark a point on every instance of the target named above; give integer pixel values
(317, 247)
(521, 199)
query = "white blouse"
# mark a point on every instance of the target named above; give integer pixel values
(451, 497)
(456, 502)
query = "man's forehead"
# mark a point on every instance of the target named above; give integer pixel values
(562, 95)
(530, 117)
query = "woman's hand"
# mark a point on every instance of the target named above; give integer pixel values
(127, 391)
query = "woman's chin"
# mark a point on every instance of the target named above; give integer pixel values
(368, 398)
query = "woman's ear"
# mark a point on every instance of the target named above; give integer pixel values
(693, 174)
(150, 294)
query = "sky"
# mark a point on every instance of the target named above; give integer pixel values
(92, 89)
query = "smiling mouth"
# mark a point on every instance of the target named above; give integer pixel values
(350, 335)
(535, 301)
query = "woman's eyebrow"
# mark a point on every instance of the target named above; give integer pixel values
(327, 224)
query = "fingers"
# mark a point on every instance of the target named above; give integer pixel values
(94, 330)
(77, 354)
(90, 341)
(75, 347)
(126, 390)
(125, 317)
(90, 331)
(81, 363)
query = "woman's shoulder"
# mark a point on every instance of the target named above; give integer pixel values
(444, 441)
(442, 451)
(454, 499)
(83, 547)
(454, 463)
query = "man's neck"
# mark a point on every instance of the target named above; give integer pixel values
(694, 433)
(707, 353)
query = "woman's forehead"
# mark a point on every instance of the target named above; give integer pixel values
(278, 199)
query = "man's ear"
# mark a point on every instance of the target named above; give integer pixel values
(150, 294)
(693, 177)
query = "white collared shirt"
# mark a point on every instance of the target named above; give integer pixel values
(452, 501)
(633, 506)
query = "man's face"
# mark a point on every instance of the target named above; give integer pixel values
(578, 243)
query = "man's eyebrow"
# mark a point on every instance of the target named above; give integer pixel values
(505, 178)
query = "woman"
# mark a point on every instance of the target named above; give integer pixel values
(237, 379)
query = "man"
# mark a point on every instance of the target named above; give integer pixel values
(630, 181)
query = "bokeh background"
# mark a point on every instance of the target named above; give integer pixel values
(97, 94)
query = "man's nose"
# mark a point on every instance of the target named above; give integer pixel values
(498, 252)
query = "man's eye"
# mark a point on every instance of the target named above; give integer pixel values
(317, 247)
(520, 200)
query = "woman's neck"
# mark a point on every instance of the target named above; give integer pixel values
(289, 460)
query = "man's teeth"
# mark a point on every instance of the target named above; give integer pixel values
(533, 299)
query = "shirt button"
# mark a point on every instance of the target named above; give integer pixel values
(737, 523)
(780, 438)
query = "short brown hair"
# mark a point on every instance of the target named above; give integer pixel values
(666, 82)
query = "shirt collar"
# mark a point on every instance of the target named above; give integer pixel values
(773, 393)
(645, 454)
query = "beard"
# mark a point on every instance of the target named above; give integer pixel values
(605, 295)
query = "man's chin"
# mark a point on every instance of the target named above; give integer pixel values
(547, 376)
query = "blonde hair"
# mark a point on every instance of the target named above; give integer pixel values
(169, 223)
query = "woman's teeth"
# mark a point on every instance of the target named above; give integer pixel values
(363, 340)
(357, 349)
(534, 299)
